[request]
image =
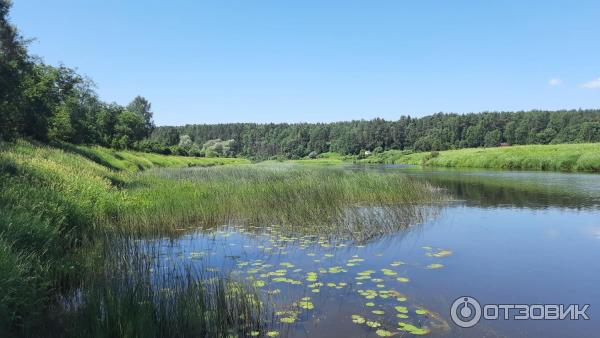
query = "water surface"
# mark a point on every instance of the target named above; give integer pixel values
(507, 237)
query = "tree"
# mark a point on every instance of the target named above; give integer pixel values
(492, 138)
(474, 136)
(106, 122)
(15, 66)
(590, 131)
(142, 106)
(130, 127)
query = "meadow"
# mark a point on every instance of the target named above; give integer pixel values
(70, 214)
(555, 157)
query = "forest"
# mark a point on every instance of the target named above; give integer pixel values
(430, 133)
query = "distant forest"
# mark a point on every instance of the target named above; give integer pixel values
(436, 132)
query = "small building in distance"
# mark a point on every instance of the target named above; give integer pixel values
(504, 144)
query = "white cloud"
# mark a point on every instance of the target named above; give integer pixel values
(554, 82)
(591, 84)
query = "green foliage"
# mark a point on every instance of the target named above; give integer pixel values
(48, 103)
(217, 148)
(431, 133)
(559, 157)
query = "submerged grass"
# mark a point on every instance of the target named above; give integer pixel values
(59, 204)
(136, 295)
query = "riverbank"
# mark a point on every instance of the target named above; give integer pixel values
(55, 203)
(558, 157)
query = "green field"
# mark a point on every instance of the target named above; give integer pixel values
(559, 157)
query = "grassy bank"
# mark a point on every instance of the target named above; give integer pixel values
(61, 206)
(559, 157)
(55, 203)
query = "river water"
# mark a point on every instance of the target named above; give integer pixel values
(505, 238)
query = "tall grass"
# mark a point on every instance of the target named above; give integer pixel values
(306, 199)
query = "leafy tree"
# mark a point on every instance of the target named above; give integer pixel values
(15, 66)
(130, 127)
(143, 107)
(492, 138)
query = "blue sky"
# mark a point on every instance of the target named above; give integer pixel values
(291, 61)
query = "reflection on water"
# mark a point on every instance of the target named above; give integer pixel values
(317, 284)
(515, 189)
(510, 237)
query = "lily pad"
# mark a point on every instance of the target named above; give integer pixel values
(358, 319)
(373, 324)
(412, 329)
(435, 266)
(287, 320)
(401, 309)
(384, 333)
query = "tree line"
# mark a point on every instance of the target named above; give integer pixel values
(48, 103)
(430, 133)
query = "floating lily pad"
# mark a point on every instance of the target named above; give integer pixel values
(373, 324)
(336, 269)
(401, 309)
(384, 333)
(440, 254)
(358, 319)
(435, 266)
(412, 329)
(388, 272)
(306, 304)
(287, 320)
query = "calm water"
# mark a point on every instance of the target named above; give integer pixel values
(508, 237)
